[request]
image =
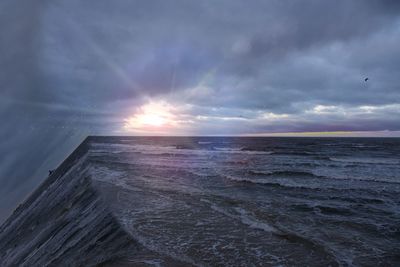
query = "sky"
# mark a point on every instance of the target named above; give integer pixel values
(74, 68)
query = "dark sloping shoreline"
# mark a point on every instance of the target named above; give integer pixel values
(64, 222)
(67, 221)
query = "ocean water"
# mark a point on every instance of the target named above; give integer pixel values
(220, 201)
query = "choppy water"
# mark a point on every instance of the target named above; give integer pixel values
(258, 201)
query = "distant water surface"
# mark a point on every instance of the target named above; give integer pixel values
(257, 201)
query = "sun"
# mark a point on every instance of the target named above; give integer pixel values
(152, 117)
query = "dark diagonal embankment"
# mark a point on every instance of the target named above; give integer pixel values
(66, 222)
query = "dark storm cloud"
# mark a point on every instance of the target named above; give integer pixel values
(73, 68)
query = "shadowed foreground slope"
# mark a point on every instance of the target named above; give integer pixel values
(66, 222)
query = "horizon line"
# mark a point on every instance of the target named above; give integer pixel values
(339, 134)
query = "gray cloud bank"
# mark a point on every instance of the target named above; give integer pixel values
(73, 68)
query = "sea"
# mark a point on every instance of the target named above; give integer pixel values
(246, 201)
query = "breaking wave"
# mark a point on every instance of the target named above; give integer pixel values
(283, 173)
(384, 161)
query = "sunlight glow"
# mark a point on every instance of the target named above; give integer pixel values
(152, 117)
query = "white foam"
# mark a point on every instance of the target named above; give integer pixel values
(366, 160)
(204, 143)
(243, 217)
(254, 223)
(240, 150)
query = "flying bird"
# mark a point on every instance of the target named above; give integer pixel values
(366, 79)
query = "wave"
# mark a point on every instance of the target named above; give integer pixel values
(363, 180)
(160, 150)
(95, 146)
(252, 149)
(283, 173)
(388, 161)
(245, 180)
(244, 217)
(184, 147)
(335, 184)
(283, 151)
(235, 149)
(252, 222)
(249, 219)
(295, 153)
(278, 183)
(204, 142)
(240, 150)
(314, 244)
(181, 259)
(359, 200)
(362, 146)
(126, 140)
(237, 162)
(135, 148)
(259, 173)
(329, 210)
